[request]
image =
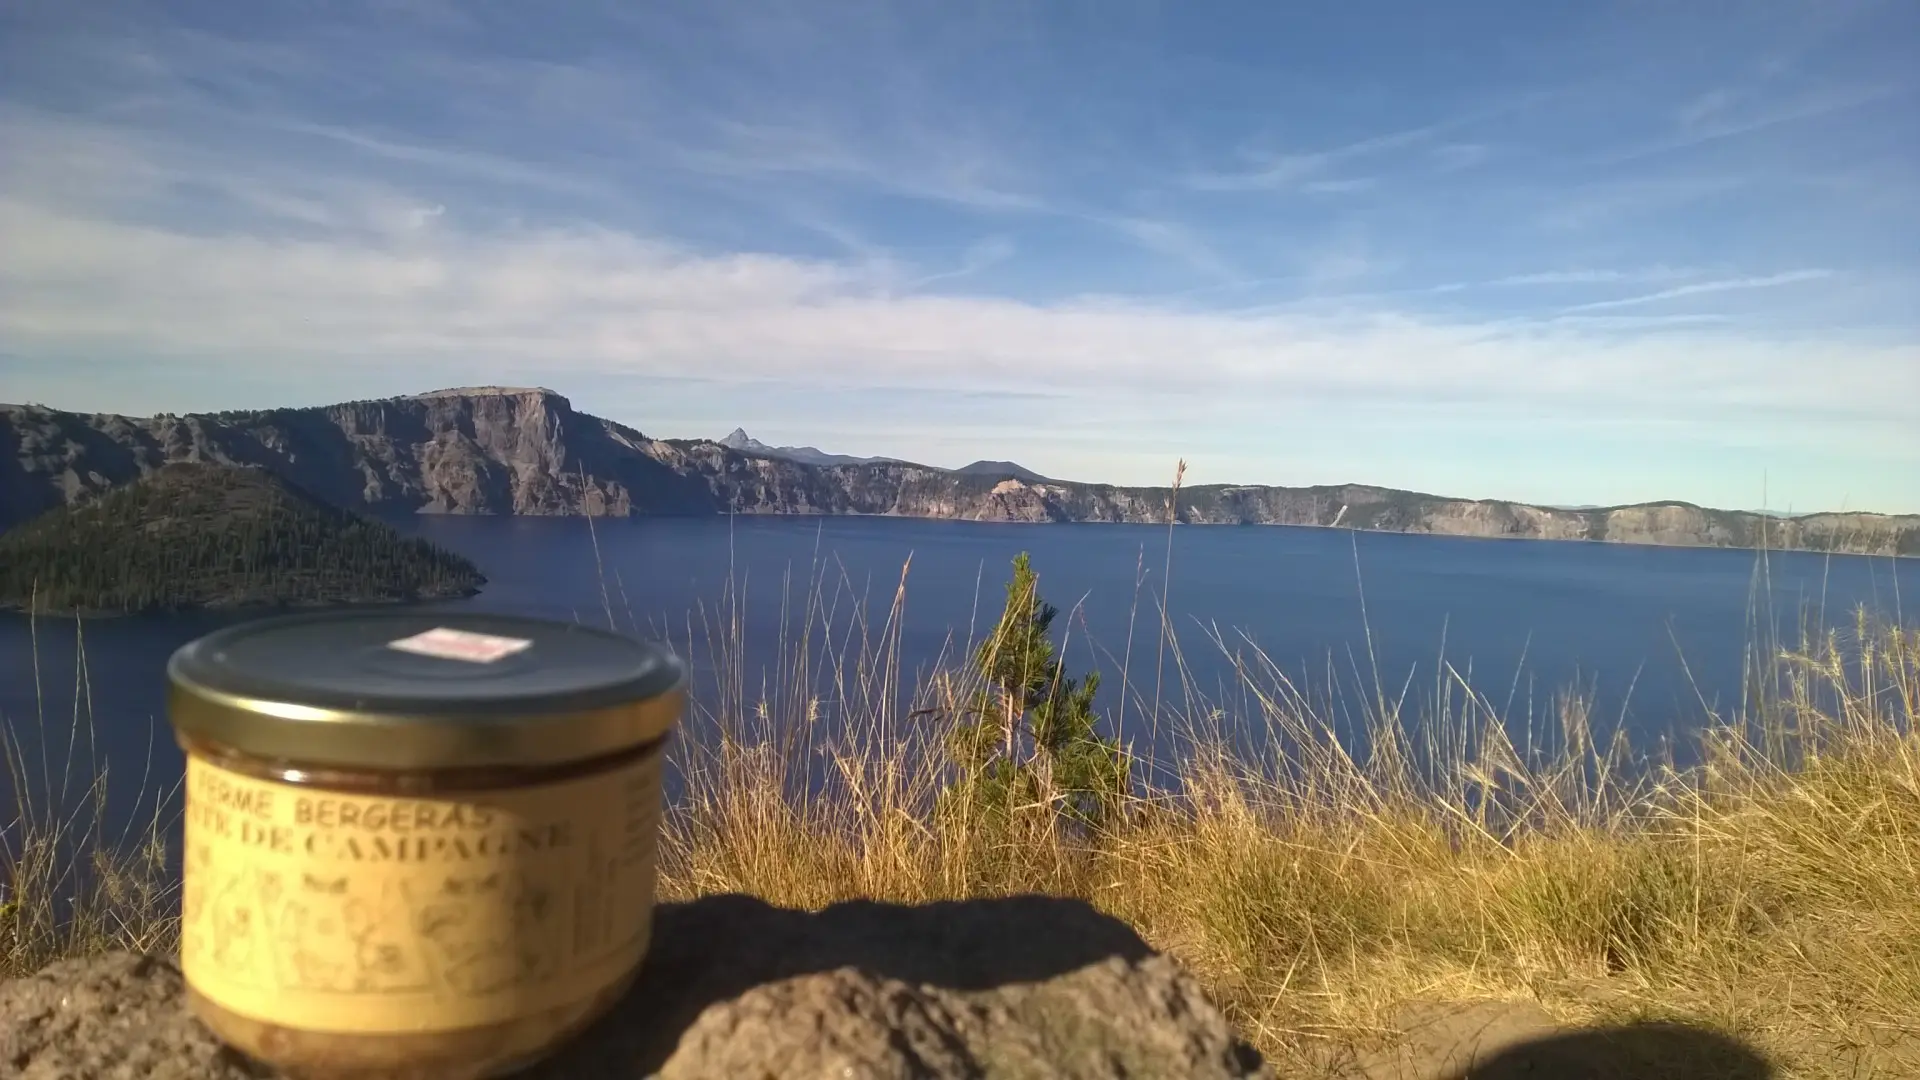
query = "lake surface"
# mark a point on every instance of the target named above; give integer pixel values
(1526, 618)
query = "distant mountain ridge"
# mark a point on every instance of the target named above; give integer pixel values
(499, 450)
(739, 440)
(806, 455)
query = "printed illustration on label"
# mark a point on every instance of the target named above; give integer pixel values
(338, 912)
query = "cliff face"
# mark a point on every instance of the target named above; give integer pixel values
(484, 451)
(493, 450)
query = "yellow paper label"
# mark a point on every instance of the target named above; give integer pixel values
(352, 913)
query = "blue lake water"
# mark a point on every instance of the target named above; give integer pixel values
(1527, 618)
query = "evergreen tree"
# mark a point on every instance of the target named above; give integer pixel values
(1031, 736)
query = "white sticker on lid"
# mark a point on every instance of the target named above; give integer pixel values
(448, 644)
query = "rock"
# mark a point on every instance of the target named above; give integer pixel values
(1024, 987)
(115, 1017)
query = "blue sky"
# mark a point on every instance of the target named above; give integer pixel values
(1571, 253)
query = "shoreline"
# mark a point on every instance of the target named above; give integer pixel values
(238, 608)
(802, 516)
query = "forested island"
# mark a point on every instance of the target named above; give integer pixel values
(194, 535)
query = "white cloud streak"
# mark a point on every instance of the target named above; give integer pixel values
(1280, 172)
(1341, 186)
(1562, 277)
(1711, 103)
(608, 301)
(1700, 288)
(1709, 119)
(1587, 276)
(1457, 157)
(1293, 170)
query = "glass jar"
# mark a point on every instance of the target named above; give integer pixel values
(416, 844)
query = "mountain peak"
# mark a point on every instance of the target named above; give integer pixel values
(1003, 468)
(744, 443)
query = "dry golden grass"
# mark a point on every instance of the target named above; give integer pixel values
(1772, 893)
(67, 886)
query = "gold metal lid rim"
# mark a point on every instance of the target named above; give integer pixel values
(344, 738)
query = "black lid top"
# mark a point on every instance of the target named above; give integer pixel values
(423, 689)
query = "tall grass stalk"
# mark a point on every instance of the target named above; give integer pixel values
(70, 884)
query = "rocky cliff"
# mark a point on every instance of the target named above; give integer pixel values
(497, 450)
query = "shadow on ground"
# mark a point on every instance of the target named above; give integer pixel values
(1511, 1040)
(1625, 1052)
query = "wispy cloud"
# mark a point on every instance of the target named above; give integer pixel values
(465, 163)
(1592, 276)
(1289, 170)
(1641, 322)
(1699, 288)
(940, 169)
(1713, 118)
(1561, 277)
(1171, 239)
(1274, 172)
(1456, 157)
(1340, 187)
(1616, 204)
(986, 253)
(1708, 104)
(935, 168)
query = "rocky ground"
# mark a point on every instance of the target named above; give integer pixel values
(1025, 987)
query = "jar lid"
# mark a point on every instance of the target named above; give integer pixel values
(423, 690)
